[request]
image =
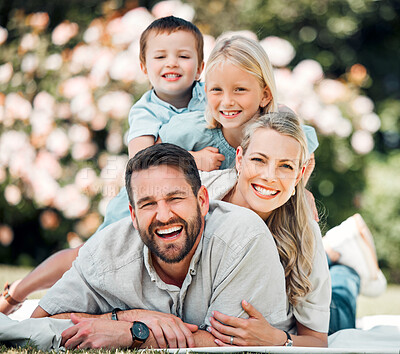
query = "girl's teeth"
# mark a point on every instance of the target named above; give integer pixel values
(169, 76)
(265, 191)
(229, 113)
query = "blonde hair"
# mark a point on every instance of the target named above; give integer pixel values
(248, 55)
(291, 223)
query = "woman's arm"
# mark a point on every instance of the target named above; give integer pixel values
(256, 331)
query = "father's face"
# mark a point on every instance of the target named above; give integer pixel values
(168, 216)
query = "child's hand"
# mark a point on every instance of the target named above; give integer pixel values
(208, 159)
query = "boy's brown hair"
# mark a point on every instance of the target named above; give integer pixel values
(171, 24)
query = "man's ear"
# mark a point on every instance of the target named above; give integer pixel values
(267, 97)
(133, 216)
(203, 200)
(199, 70)
(143, 68)
(239, 159)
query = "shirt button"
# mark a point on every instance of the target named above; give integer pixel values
(192, 272)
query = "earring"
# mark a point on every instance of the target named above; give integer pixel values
(294, 192)
(237, 174)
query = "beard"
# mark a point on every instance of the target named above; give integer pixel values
(172, 252)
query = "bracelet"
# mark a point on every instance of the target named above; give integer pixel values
(114, 316)
(289, 341)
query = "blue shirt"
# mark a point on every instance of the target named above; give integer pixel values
(149, 113)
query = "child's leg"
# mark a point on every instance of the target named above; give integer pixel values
(42, 277)
(117, 209)
(345, 289)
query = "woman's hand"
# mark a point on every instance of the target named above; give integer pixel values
(254, 331)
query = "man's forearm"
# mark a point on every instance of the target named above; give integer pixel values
(204, 339)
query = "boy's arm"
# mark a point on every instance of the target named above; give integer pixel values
(139, 143)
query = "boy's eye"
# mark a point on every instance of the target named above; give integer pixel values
(159, 57)
(215, 89)
(184, 56)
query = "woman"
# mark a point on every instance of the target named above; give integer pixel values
(270, 165)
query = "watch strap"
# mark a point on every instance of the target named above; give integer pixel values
(114, 316)
(289, 341)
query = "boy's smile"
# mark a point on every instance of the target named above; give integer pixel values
(172, 66)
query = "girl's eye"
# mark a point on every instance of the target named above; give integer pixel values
(241, 89)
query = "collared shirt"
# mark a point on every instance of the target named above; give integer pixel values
(236, 259)
(149, 113)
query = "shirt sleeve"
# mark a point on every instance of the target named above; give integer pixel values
(74, 292)
(144, 118)
(312, 139)
(312, 311)
(249, 269)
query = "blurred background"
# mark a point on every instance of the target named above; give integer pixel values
(69, 73)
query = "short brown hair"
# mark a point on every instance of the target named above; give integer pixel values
(171, 24)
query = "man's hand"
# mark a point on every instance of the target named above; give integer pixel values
(168, 330)
(208, 159)
(96, 333)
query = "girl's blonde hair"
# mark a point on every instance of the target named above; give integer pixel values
(248, 55)
(291, 223)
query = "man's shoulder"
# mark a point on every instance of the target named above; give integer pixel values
(228, 220)
(114, 246)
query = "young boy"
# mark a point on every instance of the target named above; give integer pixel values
(171, 55)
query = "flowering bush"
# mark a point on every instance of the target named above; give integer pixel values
(65, 98)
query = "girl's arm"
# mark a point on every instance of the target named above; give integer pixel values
(256, 331)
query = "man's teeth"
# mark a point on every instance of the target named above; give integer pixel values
(230, 113)
(170, 230)
(171, 76)
(265, 191)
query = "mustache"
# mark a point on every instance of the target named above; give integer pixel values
(176, 220)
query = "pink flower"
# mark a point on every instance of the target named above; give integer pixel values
(280, 51)
(12, 194)
(309, 71)
(83, 151)
(58, 142)
(370, 122)
(53, 62)
(332, 91)
(45, 160)
(114, 142)
(29, 41)
(30, 63)
(43, 101)
(362, 142)
(44, 187)
(362, 105)
(79, 133)
(75, 86)
(64, 32)
(87, 181)
(125, 67)
(71, 202)
(6, 72)
(39, 20)
(17, 107)
(6, 235)
(49, 220)
(3, 35)
(173, 7)
(116, 104)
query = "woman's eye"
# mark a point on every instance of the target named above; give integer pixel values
(287, 166)
(256, 159)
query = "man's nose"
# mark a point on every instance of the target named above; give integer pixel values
(164, 212)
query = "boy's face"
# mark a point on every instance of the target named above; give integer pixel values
(172, 64)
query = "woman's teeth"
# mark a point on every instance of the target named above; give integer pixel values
(264, 191)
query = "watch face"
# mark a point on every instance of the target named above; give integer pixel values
(140, 331)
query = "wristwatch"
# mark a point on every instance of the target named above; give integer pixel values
(140, 332)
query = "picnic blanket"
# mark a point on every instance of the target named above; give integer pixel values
(45, 334)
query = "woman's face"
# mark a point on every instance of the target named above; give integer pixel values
(234, 96)
(268, 171)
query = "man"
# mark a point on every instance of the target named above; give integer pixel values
(191, 258)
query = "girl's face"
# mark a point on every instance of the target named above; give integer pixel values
(234, 95)
(268, 171)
